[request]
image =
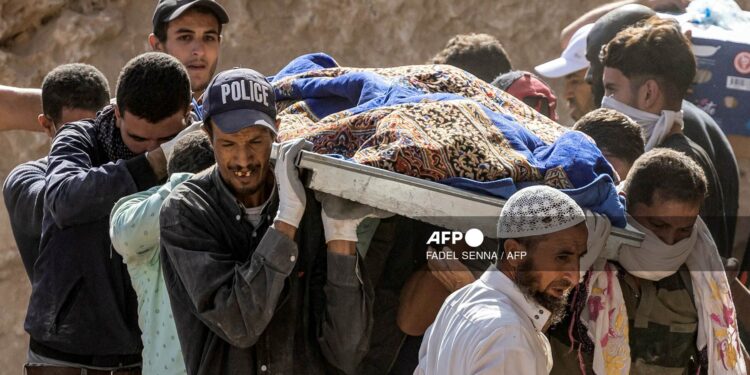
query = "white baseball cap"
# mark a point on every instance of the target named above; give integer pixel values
(573, 58)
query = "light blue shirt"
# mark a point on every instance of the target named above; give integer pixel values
(134, 229)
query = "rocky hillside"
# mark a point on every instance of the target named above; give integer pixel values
(37, 35)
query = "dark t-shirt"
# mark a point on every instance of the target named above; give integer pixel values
(704, 131)
(713, 211)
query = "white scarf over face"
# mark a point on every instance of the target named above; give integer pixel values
(605, 314)
(655, 260)
(655, 128)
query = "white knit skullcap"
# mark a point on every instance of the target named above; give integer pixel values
(538, 210)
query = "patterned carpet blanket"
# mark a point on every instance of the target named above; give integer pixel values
(439, 123)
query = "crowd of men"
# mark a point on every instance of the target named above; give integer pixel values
(160, 238)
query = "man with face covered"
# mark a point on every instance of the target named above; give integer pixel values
(646, 81)
(496, 324)
(698, 126)
(664, 307)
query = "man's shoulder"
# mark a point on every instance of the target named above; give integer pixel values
(493, 317)
(696, 116)
(85, 126)
(197, 191)
(480, 305)
(700, 127)
(680, 142)
(29, 170)
(201, 181)
(82, 132)
(24, 175)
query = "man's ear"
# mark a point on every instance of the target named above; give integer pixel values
(118, 115)
(275, 137)
(650, 96)
(155, 44)
(205, 127)
(46, 124)
(511, 246)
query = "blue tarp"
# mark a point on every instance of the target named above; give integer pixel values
(360, 91)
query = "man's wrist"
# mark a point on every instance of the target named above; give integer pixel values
(290, 211)
(285, 228)
(158, 162)
(339, 230)
(342, 247)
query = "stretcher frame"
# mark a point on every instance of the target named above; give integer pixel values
(428, 201)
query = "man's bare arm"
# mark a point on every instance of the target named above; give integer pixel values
(589, 17)
(596, 13)
(19, 108)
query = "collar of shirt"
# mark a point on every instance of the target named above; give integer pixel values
(232, 206)
(258, 210)
(498, 281)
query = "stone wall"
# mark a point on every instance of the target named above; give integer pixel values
(36, 36)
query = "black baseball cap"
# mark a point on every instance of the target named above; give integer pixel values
(239, 98)
(169, 10)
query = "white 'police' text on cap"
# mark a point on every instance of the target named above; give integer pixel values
(239, 98)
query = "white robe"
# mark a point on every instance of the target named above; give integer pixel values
(487, 327)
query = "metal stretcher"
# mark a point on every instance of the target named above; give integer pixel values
(423, 200)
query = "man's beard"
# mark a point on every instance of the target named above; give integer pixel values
(529, 286)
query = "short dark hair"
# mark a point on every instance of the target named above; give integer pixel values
(153, 86)
(671, 174)
(160, 31)
(613, 133)
(654, 48)
(192, 153)
(479, 54)
(79, 86)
